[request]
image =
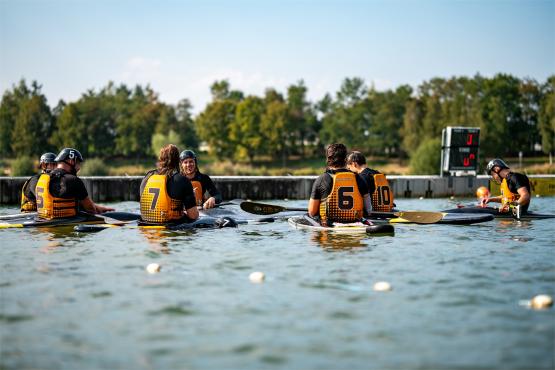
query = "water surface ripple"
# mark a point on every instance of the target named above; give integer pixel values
(85, 301)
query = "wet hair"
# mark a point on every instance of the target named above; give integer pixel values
(336, 155)
(168, 160)
(357, 158)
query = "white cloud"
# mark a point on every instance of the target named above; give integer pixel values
(140, 70)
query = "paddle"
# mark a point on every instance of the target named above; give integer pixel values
(112, 218)
(266, 209)
(198, 224)
(18, 215)
(419, 217)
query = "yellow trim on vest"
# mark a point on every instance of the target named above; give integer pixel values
(156, 204)
(27, 205)
(344, 203)
(506, 195)
(197, 189)
(382, 198)
(49, 206)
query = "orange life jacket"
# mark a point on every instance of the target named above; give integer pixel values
(197, 189)
(344, 203)
(506, 195)
(156, 205)
(27, 205)
(49, 206)
(382, 198)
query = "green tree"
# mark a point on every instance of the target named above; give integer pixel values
(349, 118)
(33, 124)
(547, 116)
(427, 158)
(160, 140)
(411, 132)
(301, 117)
(213, 127)
(245, 128)
(185, 125)
(276, 127)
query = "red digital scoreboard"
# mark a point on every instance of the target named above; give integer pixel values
(460, 146)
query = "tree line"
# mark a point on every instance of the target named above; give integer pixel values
(117, 121)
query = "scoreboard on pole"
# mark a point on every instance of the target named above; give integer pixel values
(459, 150)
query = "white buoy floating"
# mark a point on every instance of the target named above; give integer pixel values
(153, 268)
(257, 277)
(382, 286)
(541, 302)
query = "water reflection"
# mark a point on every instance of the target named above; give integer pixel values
(334, 241)
(156, 239)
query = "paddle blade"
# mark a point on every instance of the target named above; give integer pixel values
(261, 208)
(91, 228)
(421, 217)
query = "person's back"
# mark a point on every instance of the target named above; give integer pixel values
(378, 187)
(61, 193)
(28, 201)
(338, 195)
(166, 195)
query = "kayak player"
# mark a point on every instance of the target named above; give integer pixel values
(201, 183)
(515, 188)
(166, 195)
(60, 193)
(28, 200)
(378, 186)
(338, 195)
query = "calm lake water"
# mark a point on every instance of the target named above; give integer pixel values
(85, 301)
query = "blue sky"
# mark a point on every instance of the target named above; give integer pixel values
(181, 47)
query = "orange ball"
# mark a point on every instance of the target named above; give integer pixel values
(482, 192)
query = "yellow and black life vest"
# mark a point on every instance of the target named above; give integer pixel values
(49, 206)
(156, 204)
(344, 203)
(506, 195)
(382, 198)
(197, 189)
(27, 205)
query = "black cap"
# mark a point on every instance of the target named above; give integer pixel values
(69, 154)
(48, 158)
(187, 154)
(495, 163)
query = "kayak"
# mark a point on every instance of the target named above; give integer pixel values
(37, 222)
(307, 223)
(81, 218)
(450, 218)
(494, 212)
(205, 222)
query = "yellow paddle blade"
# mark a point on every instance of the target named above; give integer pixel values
(420, 217)
(10, 226)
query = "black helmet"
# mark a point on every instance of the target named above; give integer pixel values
(69, 154)
(188, 154)
(495, 163)
(48, 158)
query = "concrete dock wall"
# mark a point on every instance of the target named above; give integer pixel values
(108, 189)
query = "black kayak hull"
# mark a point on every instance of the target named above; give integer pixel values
(306, 223)
(496, 214)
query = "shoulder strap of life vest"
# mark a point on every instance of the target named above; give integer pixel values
(344, 203)
(506, 195)
(156, 204)
(27, 205)
(199, 193)
(382, 198)
(49, 206)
